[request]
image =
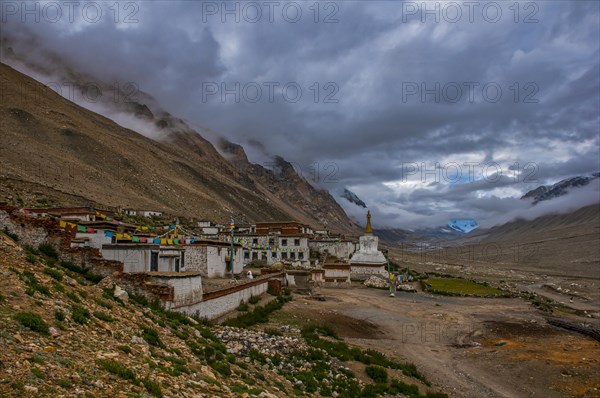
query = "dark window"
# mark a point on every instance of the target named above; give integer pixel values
(255, 241)
(296, 242)
(176, 265)
(283, 242)
(154, 262)
(246, 255)
(300, 256)
(293, 256)
(271, 242)
(274, 254)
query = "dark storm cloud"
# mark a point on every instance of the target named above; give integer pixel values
(374, 58)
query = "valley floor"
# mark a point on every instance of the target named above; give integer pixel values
(467, 347)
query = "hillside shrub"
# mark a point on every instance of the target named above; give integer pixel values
(116, 368)
(103, 316)
(32, 321)
(151, 336)
(153, 388)
(377, 373)
(53, 273)
(59, 315)
(80, 314)
(48, 250)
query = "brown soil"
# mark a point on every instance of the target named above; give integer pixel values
(537, 359)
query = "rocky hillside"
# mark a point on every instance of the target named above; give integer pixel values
(63, 335)
(56, 152)
(64, 331)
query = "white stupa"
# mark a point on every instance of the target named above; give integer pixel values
(368, 260)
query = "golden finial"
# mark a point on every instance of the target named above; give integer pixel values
(369, 229)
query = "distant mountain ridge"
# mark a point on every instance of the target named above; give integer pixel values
(353, 198)
(548, 192)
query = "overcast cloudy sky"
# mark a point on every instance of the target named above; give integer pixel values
(427, 111)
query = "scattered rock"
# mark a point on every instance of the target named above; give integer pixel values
(106, 283)
(376, 281)
(138, 340)
(121, 294)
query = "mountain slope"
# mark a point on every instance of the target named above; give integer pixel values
(548, 192)
(54, 150)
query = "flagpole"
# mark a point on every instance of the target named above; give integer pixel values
(232, 227)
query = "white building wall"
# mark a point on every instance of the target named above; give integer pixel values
(186, 289)
(134, 260)
(96, 239)
(216, 307)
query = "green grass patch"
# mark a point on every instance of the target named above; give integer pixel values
(460, 287)
(33, 285)
(117, 368)
(344, 352)
(254, 299)
(14, 237)
(59, 315)
(103, 303)
(103, 316)
(80, 314)
(259, 315)
(32, 321)
(153, 388)
(48, 250)
(75, 298)
(38, 373)
(73, 267)
(151, 336)
(377, 373)
(53, 273)
(64, 383)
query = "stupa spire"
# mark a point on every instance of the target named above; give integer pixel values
(369, 229)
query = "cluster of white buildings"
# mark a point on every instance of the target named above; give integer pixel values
(261, 244)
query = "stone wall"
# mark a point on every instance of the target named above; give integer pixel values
(195, 259)
(210, 261)
(358, 272)
(334, 284)
(342, 250)
(337, 273)
(29, 235)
